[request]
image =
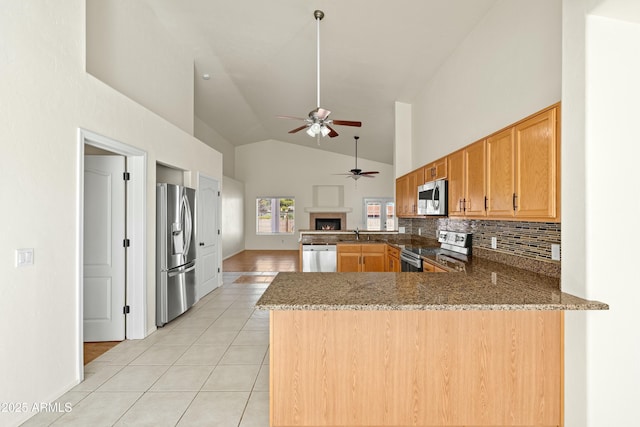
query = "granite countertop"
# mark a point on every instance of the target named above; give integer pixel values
(486, 284)
(501, 288)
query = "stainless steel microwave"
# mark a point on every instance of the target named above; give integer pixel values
(432, 198)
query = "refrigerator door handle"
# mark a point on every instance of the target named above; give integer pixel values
(183, 269)
(186, 220)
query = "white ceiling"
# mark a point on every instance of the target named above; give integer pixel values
(261, 56)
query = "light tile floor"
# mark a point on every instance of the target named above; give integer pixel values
(209, 367)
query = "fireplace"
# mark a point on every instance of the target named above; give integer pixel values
(328, 224)
(328, 221)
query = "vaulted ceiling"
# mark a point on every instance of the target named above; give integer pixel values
(261, 60)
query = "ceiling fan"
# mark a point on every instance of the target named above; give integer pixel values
(318, 123)
(356, 173)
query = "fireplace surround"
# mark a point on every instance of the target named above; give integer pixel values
(329, 221)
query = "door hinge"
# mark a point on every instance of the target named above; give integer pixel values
(126, 309)
(126, 243)
(218, 194)
(218, 231)
(126, 176)
(218, 269)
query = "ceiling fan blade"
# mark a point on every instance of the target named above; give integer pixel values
(290, 117)
(347, 123)
(333, 132)
(297, 129)
(369, 173)
(322, 113)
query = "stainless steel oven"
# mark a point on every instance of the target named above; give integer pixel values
(410, 261)
(432, 198)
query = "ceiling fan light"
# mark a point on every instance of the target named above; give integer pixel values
(324, 130)
(313, 130)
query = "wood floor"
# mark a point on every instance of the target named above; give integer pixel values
(94, 349)
(262, 260)
(245, 261)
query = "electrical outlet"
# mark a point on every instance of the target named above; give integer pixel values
(401, 230)
(555, 252)
(494, 243)
(419, 231)
(494, 277)
(24, 257)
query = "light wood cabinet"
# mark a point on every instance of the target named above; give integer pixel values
(368, 257)
(537, 166)
(467, 181)
(500, 173)
(523, 169)
(455, 165)
(393, 259)
(435, 170)
(407, 192)
(432, 268)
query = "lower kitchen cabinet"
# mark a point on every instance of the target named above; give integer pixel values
(393, 259)
(368, 257)
(431, 268)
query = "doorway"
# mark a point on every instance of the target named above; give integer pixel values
(135, 223)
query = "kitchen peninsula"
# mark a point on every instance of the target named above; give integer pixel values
(482, 347)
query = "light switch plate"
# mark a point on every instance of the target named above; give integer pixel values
(494, 243)
(24, 257)
(555, 252)
(401, 229)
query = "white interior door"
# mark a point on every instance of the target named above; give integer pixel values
(104, 253)
(207, 234)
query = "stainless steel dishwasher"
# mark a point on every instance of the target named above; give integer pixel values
(319, 258)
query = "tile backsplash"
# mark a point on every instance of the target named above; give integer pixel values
(524, 239)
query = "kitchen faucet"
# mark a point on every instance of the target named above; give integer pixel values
(357, 233)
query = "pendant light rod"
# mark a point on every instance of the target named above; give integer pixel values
(318, 14)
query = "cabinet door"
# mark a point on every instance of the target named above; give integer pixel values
(412, 191)
(500, 173)
(400, 195)
(373, 256)
(440, 168)
(348, 258)
(455, 167)
(474, 183)
(536, 166)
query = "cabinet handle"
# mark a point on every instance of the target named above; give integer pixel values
(460, 205)
(485, 203)
(515, 206)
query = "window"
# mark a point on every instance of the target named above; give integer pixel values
(275, 215)
(379, 214)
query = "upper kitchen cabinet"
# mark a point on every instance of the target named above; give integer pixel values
(537, 166)
(407, 193)
(500, 173)
(466, 172)
(435, 170)
(523, 169)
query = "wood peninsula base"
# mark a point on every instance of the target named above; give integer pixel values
(416, 368)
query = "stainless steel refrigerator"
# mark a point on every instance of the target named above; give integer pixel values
(175, 251)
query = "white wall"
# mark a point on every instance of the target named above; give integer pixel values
(508, 67)
(274, 168)
(233, 209)
(46, 96)
(128, 49)
(601, 92)
(209, 136)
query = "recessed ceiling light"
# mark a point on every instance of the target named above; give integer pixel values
(206, 76)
